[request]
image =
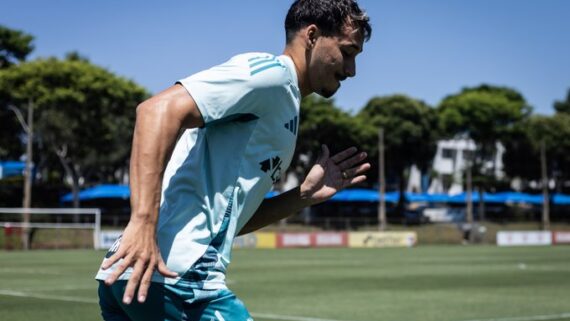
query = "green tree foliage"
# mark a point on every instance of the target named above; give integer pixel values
(487, 114)
(523, 148)
(15, 46)
(563, 106)
(324, 123)
(410, 133)
(11, 146)
(84, 114)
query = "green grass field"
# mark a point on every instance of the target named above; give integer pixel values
(426, 283)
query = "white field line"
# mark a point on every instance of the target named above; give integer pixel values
(287, 317)
(531, 318)
(37, 289)
(75, 299)
(46, 296)
(273, 316)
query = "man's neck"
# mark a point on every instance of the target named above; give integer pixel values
(297, 54)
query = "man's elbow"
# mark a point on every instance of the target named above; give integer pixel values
(152, 107)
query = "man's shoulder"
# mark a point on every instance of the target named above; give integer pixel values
(263, 69)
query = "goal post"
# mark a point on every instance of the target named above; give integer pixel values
(52, 218)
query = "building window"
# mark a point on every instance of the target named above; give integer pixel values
(468, 155)
(448, 153)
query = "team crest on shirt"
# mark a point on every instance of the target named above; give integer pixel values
(273, 166)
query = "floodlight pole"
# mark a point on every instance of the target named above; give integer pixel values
(382, 189)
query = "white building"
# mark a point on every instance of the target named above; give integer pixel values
(449, 164)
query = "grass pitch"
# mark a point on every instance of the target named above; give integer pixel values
(451, 283)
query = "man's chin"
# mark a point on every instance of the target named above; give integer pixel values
(328, 93)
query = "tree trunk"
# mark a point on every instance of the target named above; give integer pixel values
(469, 205)
(402, 201)
(481, 204)
(382, 190)
(69, 171)
(27, 202)
(545, 195)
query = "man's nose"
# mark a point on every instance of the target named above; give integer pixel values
(350, 68)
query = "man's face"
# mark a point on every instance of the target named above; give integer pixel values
(332, 59)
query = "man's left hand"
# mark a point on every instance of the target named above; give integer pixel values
(333, 173)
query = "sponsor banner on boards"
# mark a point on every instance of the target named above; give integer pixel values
(317, 239)
(330, 239)
(523, 238)
(561, 237)
(294, 240)
(260, 240)
(107, 239)
(382, 239)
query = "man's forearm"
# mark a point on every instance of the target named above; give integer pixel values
(275, 209)
(152, 143)
(159, 121)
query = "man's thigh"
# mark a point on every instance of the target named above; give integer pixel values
(224, 307)
(159, 305)
(164, 304)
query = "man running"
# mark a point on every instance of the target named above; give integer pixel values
(190, 197)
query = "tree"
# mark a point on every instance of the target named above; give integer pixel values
(522, 158)
(563, 106)
(15, 46)
(84, 114)
(410, 131)
(486, 114)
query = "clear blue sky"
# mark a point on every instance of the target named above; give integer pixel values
(425, 49)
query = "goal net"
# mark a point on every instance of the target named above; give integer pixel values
(50, 227)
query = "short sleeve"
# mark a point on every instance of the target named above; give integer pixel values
(231, 90)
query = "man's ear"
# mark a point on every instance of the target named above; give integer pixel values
(312, 33)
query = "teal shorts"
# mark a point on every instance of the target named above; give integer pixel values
(166, 302)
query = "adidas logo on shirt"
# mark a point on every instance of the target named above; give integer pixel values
(292, 125)
(262, 63)
(272, 165)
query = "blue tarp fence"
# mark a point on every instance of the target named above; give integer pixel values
(370, 195)
(357, 195)
(100, 192)
(109, 191)
(12, 168)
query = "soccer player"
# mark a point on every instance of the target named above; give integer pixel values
(190, 197)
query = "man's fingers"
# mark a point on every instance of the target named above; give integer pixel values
(343, 155)
(145, 283)
(125, 264)
(356, 180)
(133, 281)
(163, 269)
(361, 169)
(325, 153)
(113, 259)
(350, 162)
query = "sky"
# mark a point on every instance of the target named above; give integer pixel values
(424, 49)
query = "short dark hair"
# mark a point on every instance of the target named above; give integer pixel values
(330, 16)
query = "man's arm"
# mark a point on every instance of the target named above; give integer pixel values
(324, 179)
(159, 121)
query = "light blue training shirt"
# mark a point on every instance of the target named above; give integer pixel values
(218, 175)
